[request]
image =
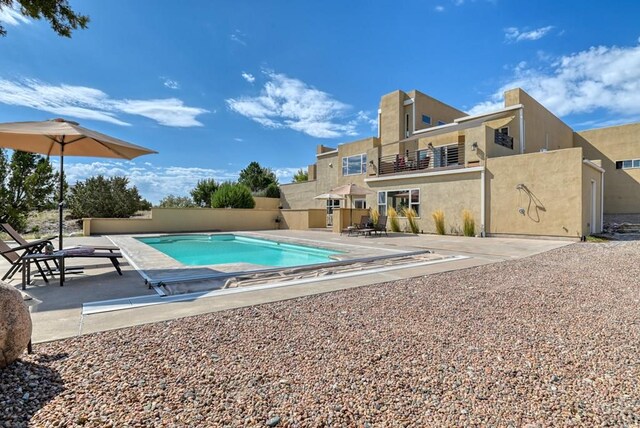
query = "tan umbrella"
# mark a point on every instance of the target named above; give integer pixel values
(62, 137)
(351, 190)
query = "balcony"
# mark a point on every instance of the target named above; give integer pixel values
(436, 158)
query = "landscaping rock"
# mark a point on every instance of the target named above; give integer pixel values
(15, 325)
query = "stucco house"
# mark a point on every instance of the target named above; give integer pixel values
(519, 170)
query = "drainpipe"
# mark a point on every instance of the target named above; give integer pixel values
(379, 118)
(482, 201)
(602, 201)
(522, 136)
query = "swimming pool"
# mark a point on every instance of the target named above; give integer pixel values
(199, 250)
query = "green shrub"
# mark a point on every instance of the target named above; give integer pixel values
(172, 201)
(231, 195)
(203, 192)
(394, 223)
(272, 191)
(101, 197)
(438, 218)
(469, 224)
(411, 215)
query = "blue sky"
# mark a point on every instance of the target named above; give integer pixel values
(214, 85)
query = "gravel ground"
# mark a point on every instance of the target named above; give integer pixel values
(551, 340)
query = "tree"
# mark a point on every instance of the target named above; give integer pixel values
(27, 183)
(104, 197)
(231, 195)
(273, 191)
(256, 178)
(173, 201)
(300, 176)
(203, 192)
(58, 12)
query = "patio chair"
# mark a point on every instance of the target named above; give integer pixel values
(16, 257)
(60, 258)
(378, 228)
(15, 235)
(364, 223)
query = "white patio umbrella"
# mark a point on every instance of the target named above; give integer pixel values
(351, 190)
(328, 196)
(63, 137)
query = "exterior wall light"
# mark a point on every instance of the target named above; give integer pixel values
(474, 147)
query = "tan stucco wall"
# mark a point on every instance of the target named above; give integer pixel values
(541, 126)
(590, 174)
(300, 195)
(621, 186)
(554, 207)
(437, 110)
(449, 193)
(263, 203)
(186, 220)
(302, 219)
(392, 117)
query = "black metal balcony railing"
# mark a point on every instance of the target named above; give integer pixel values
(438, 157)
(503, 139)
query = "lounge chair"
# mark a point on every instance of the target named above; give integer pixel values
(21, 241)
(378, 228)
(60, 258)
(364, 223)
(17, 255)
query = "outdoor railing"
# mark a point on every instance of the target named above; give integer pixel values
(451, 155)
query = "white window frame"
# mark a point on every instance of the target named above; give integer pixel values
(633, 163)
(363, 204)
(363, 164)
(386, 200)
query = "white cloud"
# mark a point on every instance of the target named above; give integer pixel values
(156, 182)
(439, 8)
(606, 78)
(171, 84)
(286, 102)
(238, 37)
(89, 103)
(512, 34)
(10, 15)
(239, 140)
(248, 77)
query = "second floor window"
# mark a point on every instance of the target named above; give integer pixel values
(353, 165)
(426, 119)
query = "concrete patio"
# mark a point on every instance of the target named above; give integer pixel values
(57, 312)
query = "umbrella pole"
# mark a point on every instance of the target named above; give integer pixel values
(60, 196)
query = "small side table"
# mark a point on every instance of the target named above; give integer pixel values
(40, 257)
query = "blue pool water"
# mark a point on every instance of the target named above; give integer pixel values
(198, 250)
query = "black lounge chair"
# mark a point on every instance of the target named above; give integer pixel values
(378, 228)
(364, 223)
(16, 256)
(15, 235)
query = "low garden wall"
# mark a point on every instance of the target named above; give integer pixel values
(186, 220)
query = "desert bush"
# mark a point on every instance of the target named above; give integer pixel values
(374, 214)
(272, 191)
(469, 224)
(173, 201)
(411, 215)
(102, 197)
(394, 222)
(438, 219)
(232, 195)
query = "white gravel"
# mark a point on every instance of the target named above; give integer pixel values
(551, 340)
